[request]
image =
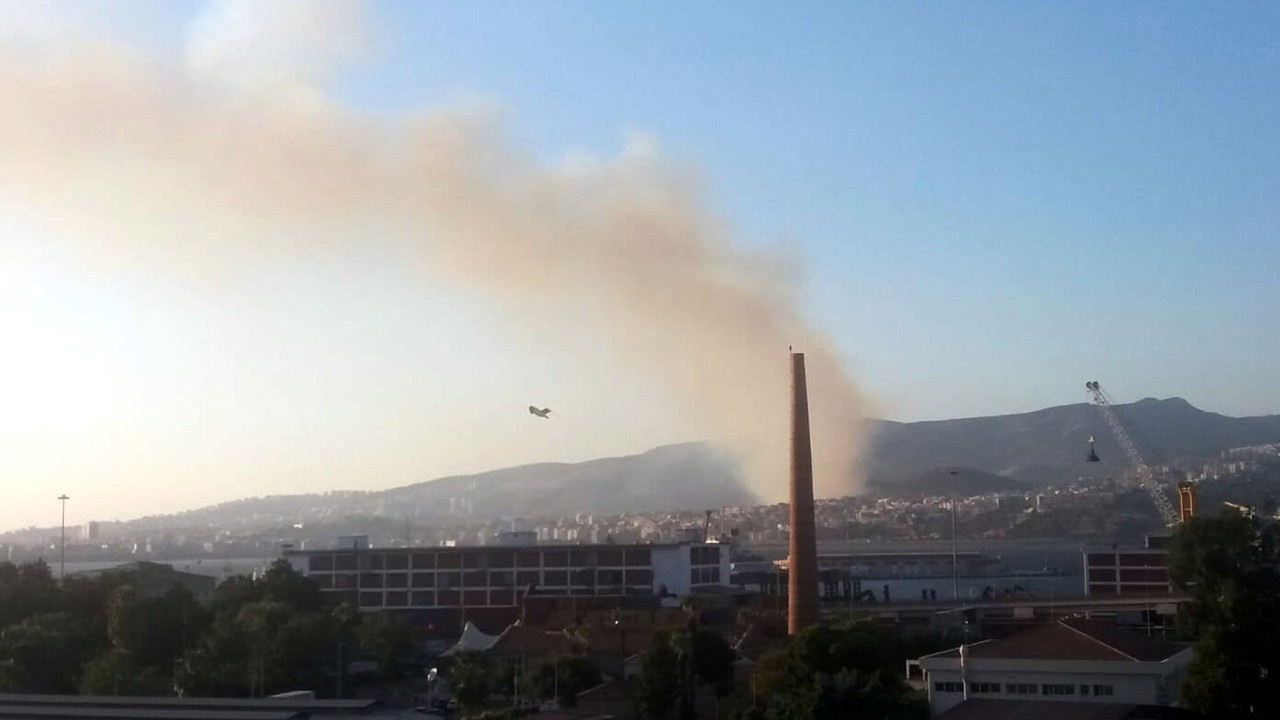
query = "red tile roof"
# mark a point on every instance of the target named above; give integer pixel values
(1073, 639)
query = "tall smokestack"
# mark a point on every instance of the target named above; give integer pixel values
(802, 562)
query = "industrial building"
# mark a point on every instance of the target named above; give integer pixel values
(1128, 571)
(500, 576)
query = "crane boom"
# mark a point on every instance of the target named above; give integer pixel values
(1145, 474)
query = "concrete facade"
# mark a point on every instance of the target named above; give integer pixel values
(498, 577)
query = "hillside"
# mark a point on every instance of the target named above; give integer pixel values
(1000, 453)
(665, 478)
(962, 481)
(1050, 445)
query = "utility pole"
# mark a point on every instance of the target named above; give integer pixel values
(62, 550)
(955, 565)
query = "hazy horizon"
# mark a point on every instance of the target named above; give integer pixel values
(480, 470)
(260, 248)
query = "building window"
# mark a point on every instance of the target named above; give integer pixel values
(398, 561)
(639, 557)
(370, 580)
(555, 558)
(448, 580)
(1021, 689)
(704, 554)
(1104, 690)
(612, 557)
(424, 561)
(705, 575)
(1050, 689)
(475, 579)
(529, 559)
(984, 688)
(1102, 559)
(640, 577)
(449, 561)
(397, 580)
(370, 599)
(344, 562)
(371, 562)
(321, 562)
(528, 577)
(501, 578)
(424, 598)
(948, 687)
(502, 559)
(397, 599)
(556, 578)
(1102, 574)
(424, 580)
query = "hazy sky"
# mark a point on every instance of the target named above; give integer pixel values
(972, 208)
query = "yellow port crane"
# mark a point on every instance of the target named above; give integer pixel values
(1146, 476)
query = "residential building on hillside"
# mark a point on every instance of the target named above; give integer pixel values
(1072, 660)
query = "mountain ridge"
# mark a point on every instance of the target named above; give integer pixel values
(999, 452)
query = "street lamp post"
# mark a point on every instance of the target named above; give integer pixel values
(62, 550)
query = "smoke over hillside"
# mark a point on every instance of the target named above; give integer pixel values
(170, 167)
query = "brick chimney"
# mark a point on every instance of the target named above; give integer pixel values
(802, 560)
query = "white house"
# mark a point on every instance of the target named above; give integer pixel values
(1073, 660)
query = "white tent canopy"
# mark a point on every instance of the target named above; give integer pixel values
(473, 640)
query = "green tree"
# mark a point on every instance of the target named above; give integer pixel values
(469, 678)
(116, 672)
(282, 584)
(565, 678)
(1229, 565)
(386, 638)
(660, 681)
(712, 659)
(261, 623)
(36, 655)
(849, 670)
(26, 590)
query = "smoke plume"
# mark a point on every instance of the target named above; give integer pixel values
(160, 163)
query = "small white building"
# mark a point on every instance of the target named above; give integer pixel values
(1073, 660)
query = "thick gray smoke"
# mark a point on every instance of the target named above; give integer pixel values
(151, 164)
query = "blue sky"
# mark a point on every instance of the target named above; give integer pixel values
(995, 201)
(988, 204)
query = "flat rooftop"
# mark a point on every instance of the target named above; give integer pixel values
(88, 712)
(221, 707)
(505, 548)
